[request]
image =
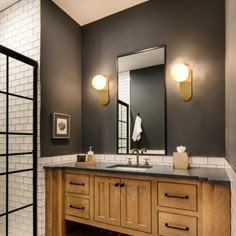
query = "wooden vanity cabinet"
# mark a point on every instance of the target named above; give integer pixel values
(77, 206)
(174, 224)
(136, 205)
(178, 196)
(107, 200)
(123, 202)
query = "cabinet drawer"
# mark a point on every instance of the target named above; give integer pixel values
(180, 196)
(77, 183)
(78, 207)
(179, 225)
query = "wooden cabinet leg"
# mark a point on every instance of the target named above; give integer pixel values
(55, 203)
(216, 210)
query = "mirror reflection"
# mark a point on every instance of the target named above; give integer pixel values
(141, 102)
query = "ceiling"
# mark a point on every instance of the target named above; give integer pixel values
(6, 3)
(142, 60)
(87, 11)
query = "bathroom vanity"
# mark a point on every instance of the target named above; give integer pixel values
(140, 202)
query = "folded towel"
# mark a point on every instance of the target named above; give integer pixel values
(137, 129)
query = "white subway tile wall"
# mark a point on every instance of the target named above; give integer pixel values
(19, 31)
(124, 87)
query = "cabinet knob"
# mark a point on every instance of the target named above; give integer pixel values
(122, 185)
(117, 185)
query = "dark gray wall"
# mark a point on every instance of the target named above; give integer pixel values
(231, 82)
(60, 74)
(147, 98)
(193, 32)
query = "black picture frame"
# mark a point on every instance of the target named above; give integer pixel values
(61, 125)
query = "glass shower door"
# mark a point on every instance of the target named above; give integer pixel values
(18, 144)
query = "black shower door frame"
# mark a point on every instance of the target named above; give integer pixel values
(17, 56)
(121, 121)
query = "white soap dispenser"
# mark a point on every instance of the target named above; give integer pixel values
(90, 154)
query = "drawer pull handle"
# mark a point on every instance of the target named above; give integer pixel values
(72, 183)
(117, 185)
(122, 185)
(174, 196)
(77, 208)
(177, 227)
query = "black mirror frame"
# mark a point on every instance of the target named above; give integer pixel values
(117, 105)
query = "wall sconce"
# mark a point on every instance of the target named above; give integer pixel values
(182, 73)
(101, 83)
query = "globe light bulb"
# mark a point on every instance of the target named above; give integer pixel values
(99, 82)
(180, 72)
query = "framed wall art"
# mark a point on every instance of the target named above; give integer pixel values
(61, 124)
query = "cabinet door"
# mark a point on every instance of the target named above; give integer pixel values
(107, 200)
(136, 205)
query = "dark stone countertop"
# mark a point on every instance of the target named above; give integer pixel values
(210, 175)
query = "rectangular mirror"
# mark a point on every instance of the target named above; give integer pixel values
(141, 117)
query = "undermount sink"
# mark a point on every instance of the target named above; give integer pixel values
(130, 167)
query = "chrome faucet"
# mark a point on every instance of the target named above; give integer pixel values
(137, 155)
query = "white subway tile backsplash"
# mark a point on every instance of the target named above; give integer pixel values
(119, 158)
(156, 159)
(163, 160)
(198, 160)
(109, 158)
(167, 159)
(100, 157)
(216, 161)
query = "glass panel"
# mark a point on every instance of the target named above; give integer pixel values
(20, 115)
(124, 143)
(21, 222)
(3, 225)
(120, 143)
(2, 194)
(3, 73)
(20, 189)
(119, 128)
(123, 150)
(2, 112)
(124, 130)
(124, 113)
(20, 78)
(2, 165)
(2, 144)
(119, 113)
(20, 162)
(20, 143)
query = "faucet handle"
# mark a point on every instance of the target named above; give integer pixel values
(135, 150)
(146, 162)
(129, 162)
(143, 150)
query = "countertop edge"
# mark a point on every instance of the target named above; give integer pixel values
(224, 181)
